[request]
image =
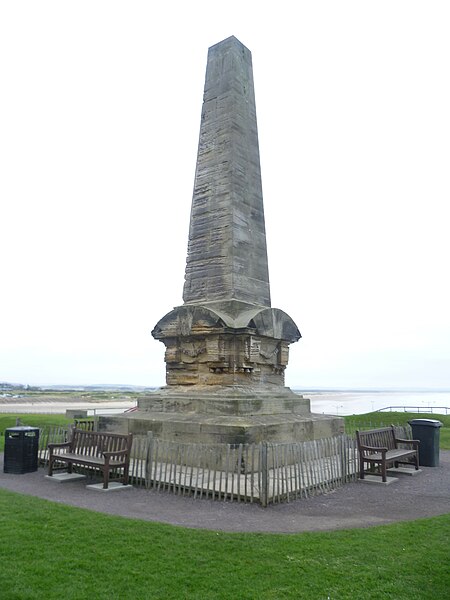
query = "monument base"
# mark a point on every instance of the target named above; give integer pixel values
(225, 416)
(231, 400)
(215, 429)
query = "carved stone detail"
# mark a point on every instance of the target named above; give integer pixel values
(222, 356)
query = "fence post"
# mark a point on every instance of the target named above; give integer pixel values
(149, 459)
(70, 428)
(264, 492)
(344, 459)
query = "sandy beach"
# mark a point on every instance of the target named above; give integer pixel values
(46, 406)
(323, 402)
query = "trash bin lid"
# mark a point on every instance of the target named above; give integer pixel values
(426, 422)
(22, 428)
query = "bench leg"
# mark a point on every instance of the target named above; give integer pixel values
(384, 472)
(51, 464)
(125, 476)
(105, 479)
(361, 467)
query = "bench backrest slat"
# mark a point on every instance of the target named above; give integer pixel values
(94, 443)
(381, 438)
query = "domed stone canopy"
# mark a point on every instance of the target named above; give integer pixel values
(190, 318)
(227, 343)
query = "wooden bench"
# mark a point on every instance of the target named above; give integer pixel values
(97, 449)
(381, 447)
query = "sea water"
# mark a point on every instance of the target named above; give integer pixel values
(353, 402)
(323, 401)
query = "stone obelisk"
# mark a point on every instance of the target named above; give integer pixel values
(226, 347)
(227, 255)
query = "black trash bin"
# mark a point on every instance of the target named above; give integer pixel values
(427, 431)
(21, 450)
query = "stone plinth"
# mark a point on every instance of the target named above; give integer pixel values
(241, 401)
(226, 415)
(198, 428)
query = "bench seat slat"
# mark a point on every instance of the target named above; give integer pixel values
(88, 460)
(390, 454)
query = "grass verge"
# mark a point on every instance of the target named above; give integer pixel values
(382, 419)
(352, 422)
(54, 551)
(35, 420)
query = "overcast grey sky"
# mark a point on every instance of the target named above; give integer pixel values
(100, 113)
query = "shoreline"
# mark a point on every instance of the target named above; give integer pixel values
(336, 402)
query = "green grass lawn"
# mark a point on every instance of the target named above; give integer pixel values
(352, 422)
(35, 420)
(381, 419)
(52, 551)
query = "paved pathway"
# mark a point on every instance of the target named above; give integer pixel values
(354, 505)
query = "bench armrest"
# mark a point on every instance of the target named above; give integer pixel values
(116, 453)
(373, 448)
(54, 445)
(415, 443)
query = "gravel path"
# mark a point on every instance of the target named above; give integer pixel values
(354, 505)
